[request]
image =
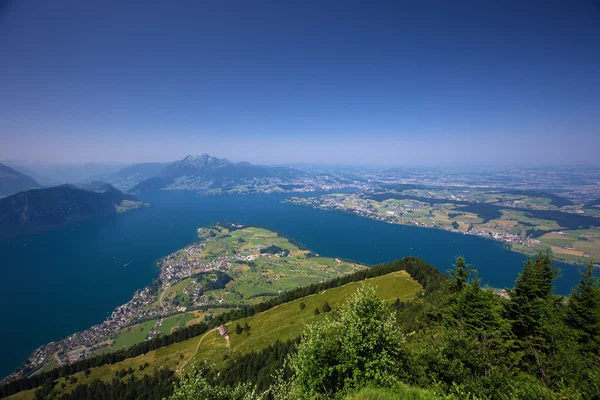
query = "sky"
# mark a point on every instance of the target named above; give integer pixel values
(342, 82)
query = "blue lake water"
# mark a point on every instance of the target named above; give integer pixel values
(67, 280)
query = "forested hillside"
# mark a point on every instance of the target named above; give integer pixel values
(455, 340)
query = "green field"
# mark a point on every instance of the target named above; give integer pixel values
(132, 335)
(170, 323)
(283, 322)
(255, 275)
(522, 231)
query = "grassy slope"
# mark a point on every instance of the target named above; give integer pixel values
(283, 322)
(401, 392)
(270, 275)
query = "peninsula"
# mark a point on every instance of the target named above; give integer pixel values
(230, 266)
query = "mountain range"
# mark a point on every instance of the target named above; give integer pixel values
(126, 178)
(37, 210)
(208, 172)
(12, 181)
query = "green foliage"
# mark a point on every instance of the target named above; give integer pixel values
(459, 275)
(302, 306)
(195, 386)
(400, 391)
(360, 344)
(238, 329)
(462, 341)
(532, 299)
(326, 307)
(317, 312)
(583, 311)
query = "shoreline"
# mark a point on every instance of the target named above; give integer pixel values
(505, 244)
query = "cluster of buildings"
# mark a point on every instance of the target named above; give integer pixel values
(397, 214)
(143, 306)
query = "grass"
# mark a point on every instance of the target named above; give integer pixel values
(266, 273)
(133, 335)
(287, 320)
(403, 392)
(170, 323)
(283, 322)
(24, 395)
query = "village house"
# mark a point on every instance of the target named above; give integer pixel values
(223, 330)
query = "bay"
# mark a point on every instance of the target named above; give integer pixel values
(66, 280)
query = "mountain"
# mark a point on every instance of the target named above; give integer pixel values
(49, 174)
(208, 172)
(12, 181)
(36, 210)
(128, 177)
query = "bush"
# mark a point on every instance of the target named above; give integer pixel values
(360, 345)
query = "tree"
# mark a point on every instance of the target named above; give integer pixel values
(532, 299)
(326, 307)
(317, 312)
(246, 327)
(583, 310)
(459, 275)
(195, 386)
(302, 305)
(238, 329)
(361, 344)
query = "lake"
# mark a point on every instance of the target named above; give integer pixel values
(69, 279)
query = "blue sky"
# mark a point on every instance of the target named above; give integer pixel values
(354, 82)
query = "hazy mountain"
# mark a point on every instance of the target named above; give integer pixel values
(12, 181)
(208, 172)
(57, 174)
(128, 177)
(40, 209)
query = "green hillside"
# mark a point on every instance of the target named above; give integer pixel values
(283, 322)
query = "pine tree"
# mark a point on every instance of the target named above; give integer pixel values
(246, 327)
(238, 329)
(583, 310)
(317, 312)
(531, 300)
(459, 275)
(326, 307)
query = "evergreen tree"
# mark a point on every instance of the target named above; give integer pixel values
(317, 312)
(246, 327)
(534, 313)
(583, 311)
(459, 275)
(238, 329)
(531, 300)
(326, 307)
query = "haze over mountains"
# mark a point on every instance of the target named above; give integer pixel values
(206, 172)
(12, 181)
(190, 173)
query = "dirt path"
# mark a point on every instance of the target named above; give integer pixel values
(196, 351)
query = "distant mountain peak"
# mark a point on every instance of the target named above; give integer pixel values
(203, 160)
(208, 172)
(194, 165)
